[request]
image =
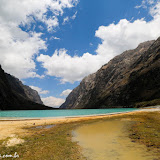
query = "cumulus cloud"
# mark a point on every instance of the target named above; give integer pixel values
(39, 90)
(19, 48)
(17, 51)
(125, 35)
(68, 68)
(115, 38)
(53, 101)
(23, 11)
(66, 92)
(51, 22)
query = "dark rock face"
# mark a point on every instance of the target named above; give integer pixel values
(23, 90)
(133, 76)
(16, 96)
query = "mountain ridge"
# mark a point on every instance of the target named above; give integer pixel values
(16, 96)
(121, 82)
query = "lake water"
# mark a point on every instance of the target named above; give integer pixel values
(60, 113)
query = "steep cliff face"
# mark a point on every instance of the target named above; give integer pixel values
(16, 96)
(133, 76)
(23, 90)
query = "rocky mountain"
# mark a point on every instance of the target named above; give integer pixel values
(16, 96)
(129, 78)
(23, 90)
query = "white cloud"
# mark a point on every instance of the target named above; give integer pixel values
(17, 51)
(151, 1)
(66, 92)
(65, 20)
(56, 38)
(125, 35)
(146, 3)
(22, 11)
(115, 38)
(39, 90)
(68, 68)
(19, 48)
(143, 5)
(155, 11)
(51, 22)
(53, 101)
(41, 27)
(74, 16)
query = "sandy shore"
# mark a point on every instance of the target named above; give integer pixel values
(8, 128)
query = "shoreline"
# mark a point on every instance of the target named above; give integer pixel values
(65, 117)
(150, 109)
(18, 126)
(60, 117)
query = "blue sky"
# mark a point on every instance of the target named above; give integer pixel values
(55, 45)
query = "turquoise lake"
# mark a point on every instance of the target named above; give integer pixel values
(60, 113)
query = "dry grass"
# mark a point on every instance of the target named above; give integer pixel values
(147, 129)
(148, 103)
(47, 144)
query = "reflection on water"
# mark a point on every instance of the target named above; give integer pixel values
(108, 140)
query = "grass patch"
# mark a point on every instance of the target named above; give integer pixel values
(147, 129)
(148, 103)
(49, 144)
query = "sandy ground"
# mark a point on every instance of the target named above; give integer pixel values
(8, 128)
